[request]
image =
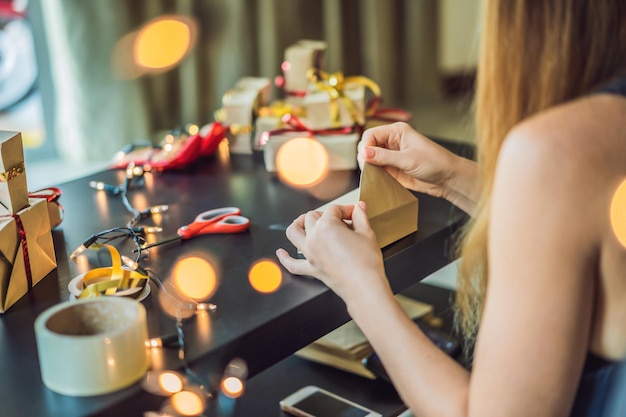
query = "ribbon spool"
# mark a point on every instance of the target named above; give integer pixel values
(92, 347)
(113, 280)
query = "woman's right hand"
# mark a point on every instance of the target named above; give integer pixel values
(420, 164)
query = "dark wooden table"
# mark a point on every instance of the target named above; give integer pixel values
(262, 329)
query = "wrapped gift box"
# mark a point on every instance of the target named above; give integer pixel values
(300, 58)
(26, 251)
(239, 110)
(341, 148)
(330, 108)
(13, 187)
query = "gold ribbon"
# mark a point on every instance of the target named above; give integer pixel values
(112, 279)
(14, 172)
(335, 84)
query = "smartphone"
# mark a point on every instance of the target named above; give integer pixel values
(312, 401)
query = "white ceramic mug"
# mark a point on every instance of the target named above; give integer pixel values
(93, 346)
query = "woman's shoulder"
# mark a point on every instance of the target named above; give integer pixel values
(586, 136)
(568, 159)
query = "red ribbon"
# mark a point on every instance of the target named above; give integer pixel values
(21, 235)
(51, 194)
(195, 146)
(294, 124)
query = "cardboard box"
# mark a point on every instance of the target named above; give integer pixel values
(239, 110)
(13, 186)
(299, 59)
(32, 239)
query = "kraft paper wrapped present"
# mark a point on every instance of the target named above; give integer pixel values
(55, 210)
(332, 108)
(13, 186)
(392, 209)
(26, 251)
(301, 58)
(341, 148)
(239, 109)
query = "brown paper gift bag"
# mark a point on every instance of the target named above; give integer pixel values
(26, 251)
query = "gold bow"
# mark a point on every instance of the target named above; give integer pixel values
(335, 84)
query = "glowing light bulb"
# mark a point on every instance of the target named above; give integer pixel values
(232, 387)
(235, 374)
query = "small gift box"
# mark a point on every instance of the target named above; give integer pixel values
(26, 251)
(300, 59)
(341, 148)
(239, 109)
(26, 248)
(330, 108)
(13, 187)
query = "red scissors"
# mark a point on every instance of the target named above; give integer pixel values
(220, 220)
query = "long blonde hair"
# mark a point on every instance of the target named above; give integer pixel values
(534, 54)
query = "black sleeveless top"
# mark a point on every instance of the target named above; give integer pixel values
(602, 387)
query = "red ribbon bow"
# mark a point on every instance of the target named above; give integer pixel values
(21, 235)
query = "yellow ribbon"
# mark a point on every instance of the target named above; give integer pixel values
(110, 280)
(16, 171)
(335, 84)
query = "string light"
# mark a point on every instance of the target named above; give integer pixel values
(102, 186)
(234, 377)
(86, 244)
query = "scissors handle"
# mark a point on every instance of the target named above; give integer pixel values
(221, 220)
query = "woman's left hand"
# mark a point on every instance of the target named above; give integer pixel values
(344, 256)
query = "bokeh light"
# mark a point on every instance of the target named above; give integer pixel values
(195, 278)
(174, 303)
(618, 213)
(302, 162)
(265, 276)
(170, 382)
(188, 403)
(163, 43)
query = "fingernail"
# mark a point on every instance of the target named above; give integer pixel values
(362, 205)
(369, 152)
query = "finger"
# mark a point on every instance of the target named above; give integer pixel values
(294, 266)
(360, 221)
(296, 233)
(311, 218)
(339, 211)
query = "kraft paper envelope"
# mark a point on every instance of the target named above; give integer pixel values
(13, 279)
(391, 208)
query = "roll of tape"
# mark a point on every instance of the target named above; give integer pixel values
(93, 346)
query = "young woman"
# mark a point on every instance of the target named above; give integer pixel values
(542, 271)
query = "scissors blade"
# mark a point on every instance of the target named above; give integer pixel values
(168, 239)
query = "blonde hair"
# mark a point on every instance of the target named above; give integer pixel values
(534, 55)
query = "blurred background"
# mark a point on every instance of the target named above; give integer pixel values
(81, 79)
